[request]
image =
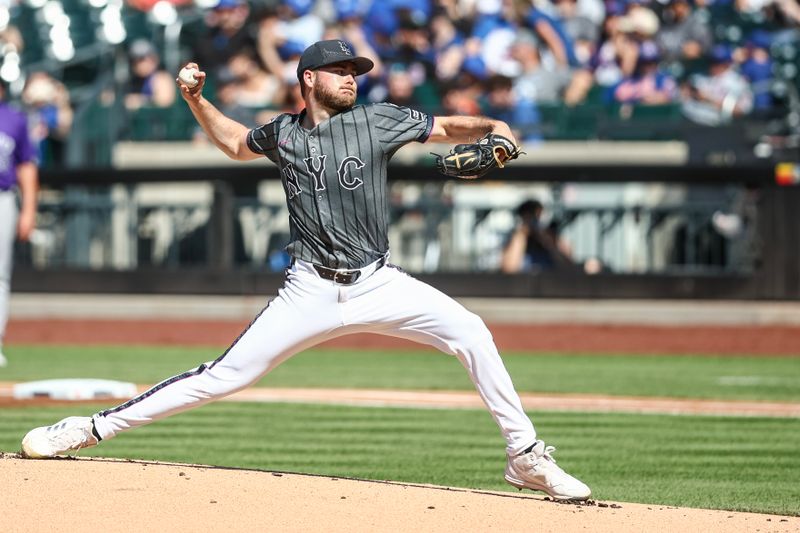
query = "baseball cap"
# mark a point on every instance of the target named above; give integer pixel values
(300, 7)
(639, 20)
(141, 48)
(525, 37)
(290, 48)
(225, 76)
(721, 53)
(323, 53)
(227, 4)
(649, 52)
(347, 9)
(615, 8)
(474, 66)
(759, 39)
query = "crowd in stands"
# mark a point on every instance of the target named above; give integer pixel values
(507, 59)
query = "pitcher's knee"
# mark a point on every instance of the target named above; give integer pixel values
(221, 381)
(474, 331)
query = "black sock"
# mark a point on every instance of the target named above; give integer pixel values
(529, 449)
(95, 433)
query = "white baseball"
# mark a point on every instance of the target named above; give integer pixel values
(186, 75)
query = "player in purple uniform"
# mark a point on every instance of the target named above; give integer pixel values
(18, 173)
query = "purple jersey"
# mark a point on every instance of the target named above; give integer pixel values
(15, 145)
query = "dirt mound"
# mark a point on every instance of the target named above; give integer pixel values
(113, 495)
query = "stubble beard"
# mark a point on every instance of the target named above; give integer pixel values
(333, 100)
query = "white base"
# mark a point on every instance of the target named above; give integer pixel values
(74, 389)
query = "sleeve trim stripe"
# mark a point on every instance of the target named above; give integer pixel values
(253, 144)
(426, 133)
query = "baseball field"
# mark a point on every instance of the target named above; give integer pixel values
(697, 432)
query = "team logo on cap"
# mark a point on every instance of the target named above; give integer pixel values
(345, 48)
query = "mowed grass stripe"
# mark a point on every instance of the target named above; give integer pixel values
(746, 464)
(739, 378)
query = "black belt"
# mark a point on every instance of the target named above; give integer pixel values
(344, 277)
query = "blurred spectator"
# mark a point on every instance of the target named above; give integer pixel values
(293, 100)
(400, 87)
(502, 103)
(411, 44)
(448, 44)
(535, 83)
(278, 56)
(10, 35)
(559, 45)
(255, 87)
(721, 95)
(592, 10)
(639, 23)
(614, 60)
(226, 33)
(685, 32)
(439, 54)
(460, 96)
(756, 66)
(780, 13)
(50, 116)
(297, 24)
(18, 171)
(648, 84)
(533, 246)
(582, 30)
(147, 5)
(280, 44)
(149, 85)
(492, 36)
(350, 28)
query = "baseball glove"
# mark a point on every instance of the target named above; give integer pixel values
(473, 160)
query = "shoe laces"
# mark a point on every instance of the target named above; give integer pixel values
(548, 453)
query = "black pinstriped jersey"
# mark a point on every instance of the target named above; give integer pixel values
(334, 176)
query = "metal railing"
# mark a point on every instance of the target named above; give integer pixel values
(133, 226)
(647, 231)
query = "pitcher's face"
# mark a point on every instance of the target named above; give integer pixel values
(335, 85)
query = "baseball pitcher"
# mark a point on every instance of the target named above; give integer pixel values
(333, 159)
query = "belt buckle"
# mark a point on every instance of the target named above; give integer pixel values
(347, 276)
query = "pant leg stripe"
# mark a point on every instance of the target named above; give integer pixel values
(250, 325)
(196, 372)
(133, 401)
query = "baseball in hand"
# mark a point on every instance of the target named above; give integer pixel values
(186, 75)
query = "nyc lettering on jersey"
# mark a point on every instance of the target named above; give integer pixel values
(315, 166)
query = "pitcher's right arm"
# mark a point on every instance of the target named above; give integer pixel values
(228, 135)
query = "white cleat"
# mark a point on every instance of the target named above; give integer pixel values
(72, 433)
(3, 360)
(537, 470)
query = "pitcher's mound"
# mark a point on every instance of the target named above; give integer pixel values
(116, 495)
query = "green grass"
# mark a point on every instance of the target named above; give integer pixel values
(742, 378)
(744, 464)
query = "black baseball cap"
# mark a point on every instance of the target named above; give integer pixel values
(324, 53)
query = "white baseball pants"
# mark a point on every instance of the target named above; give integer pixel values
(8, 234)
(309, 310)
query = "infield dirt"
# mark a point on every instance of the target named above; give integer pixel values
(108, 495)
